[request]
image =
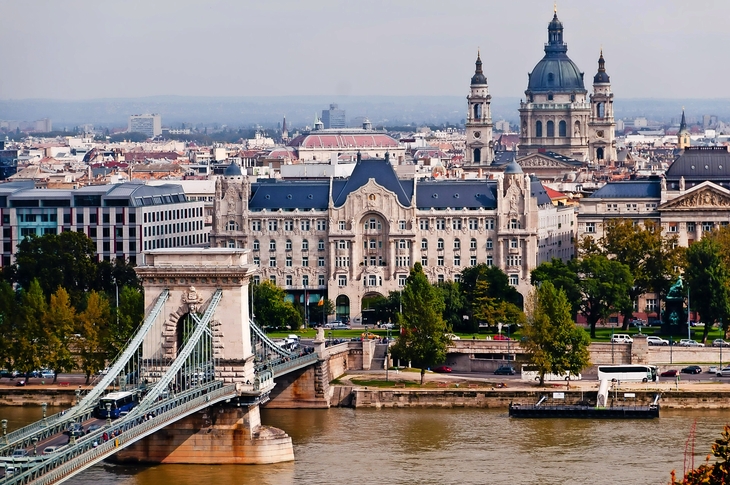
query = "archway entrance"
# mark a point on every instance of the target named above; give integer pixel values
(342, 308)
(368, 308)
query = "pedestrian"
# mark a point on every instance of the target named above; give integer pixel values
(105, 437)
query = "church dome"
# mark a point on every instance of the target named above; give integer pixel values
(513, 168)
(478, 77)
(232, 170)
(556, 72)
(601, 77)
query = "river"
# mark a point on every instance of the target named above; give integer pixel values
(443, 446)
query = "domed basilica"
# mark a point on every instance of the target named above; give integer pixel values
(559, 123)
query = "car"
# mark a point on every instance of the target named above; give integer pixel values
(451, 336)
(442, 369)
(692, 369)
(499, 336)
(50, 449)
(74, 429)
(47, 374)
(368, 335)
(652, 340)
(688, 342)
(669, 373)
(505, 370)
(713, 369)
(387, 326)
(621, 338)
(93, 427)
(20, 453)
(718, 342)
(724, 372)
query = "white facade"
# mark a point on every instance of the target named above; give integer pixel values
(148, 124)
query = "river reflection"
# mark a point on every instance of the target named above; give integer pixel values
(443, 446)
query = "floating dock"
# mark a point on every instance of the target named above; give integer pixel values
(579, 411)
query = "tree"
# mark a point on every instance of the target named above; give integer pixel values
(497, 282)
(423, 331)
(59, 322)
(270, 308)
(455, 308)
(491, 310)
(605, 286)
(563, 277)
(711, 473)
(29, 337)
(128, 316)
(386, 309)
(93, 326)
(554, 344)
(708, 279)
(8, 315)
(317, 312)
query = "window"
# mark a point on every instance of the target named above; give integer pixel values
(231, 243)
(256, 280)
(320, 245)
(490, 243)
(272, 279)
(321, 225)
(673, 227)
(341, 280)
(232, 226)
(591, 227)
(423, 224)
(288, 225)
(550, 129)
(514, 260)
(424, 260)
(118, 232)
(440, 224)
(105, 246)
(119, 247)
(342, 261)
(288, 261)
(707, 226)
(514, 280)
(257, 261)
(272, 224)
(489, 224)
(402, 225)
(538, 129)
(611, 207)
(373, 223)
(424, 244)
(457, 244)
(341, 244)
(691, 227)
(562, 131)
(321, 280)
(514, 224)
(440, 244)
(272, 245)
(401, 244)
(305, 261)
(342, 225)
(80, 218)
(288, 280)
(514, 243)
(651, 305)
(272, 262)
(473, 261)
(440, 278)
(402, 280)
(255, 244)
(288, 245)
(120, 218)
(403, 261)
(92, 233)
(320, 262)
(473, 244)
(305, 245)
(305, 280)
(457, 260)
(440, 261)
(255, 225)
(456, 224)
(105, 232)
(372, 280)
(490, 260)
(473, 224)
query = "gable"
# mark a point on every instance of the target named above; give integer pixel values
(707, 196)
(538, 160)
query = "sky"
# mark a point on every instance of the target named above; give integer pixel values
(88, 49)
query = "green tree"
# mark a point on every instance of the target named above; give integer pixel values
(554, 344)
(67, 260)
(564, 277)
(29, 337)
(708, 279)
(455, 308)
(128, 316)
(318, 313)
(271, 309)
(605, 286)
(93, 326)
(8, 315)
(59, 322)
(716, 473)
(423, 332)
(497, 284)
(386, 309)
(117, 274)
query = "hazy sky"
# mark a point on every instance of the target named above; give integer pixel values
(78, 49)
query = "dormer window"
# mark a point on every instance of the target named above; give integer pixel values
(550, 80)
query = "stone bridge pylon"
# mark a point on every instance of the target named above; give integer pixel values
(229, 432)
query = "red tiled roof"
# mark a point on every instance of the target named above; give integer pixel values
(343, 141)
(554, 194)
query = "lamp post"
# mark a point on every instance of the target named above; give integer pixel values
(612, 358)
(387, 353)
(689, 326)
(108, 413)
(306, 307)
(5, 430)
(78, 395)
(44, 406)
(34, 440)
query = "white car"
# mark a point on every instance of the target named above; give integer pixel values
(622, 338)
(451, 336)
(688, 342)
(724, 372)
(652, 340)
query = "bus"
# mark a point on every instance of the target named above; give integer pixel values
(629, 372)
(120, 402)
(530, 373)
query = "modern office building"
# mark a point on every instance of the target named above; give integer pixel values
(123, 220)
(349, 239)
(148, 124)
(333, 117)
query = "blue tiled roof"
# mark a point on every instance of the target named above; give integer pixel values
(537, 190)
(457, 193)
(629, 190)
(289, 194)
(384, 175)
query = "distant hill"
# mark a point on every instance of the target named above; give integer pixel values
(300, 110)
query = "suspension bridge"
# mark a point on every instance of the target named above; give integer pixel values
(196, 361)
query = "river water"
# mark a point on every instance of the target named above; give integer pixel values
(443, 446)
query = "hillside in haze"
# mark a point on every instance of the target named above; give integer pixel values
(300, 110)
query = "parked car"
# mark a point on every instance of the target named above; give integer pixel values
(499, 336)
(47, 374)
(442, 369)
(718, 342)
(692, 369)
(724, 372)
(505, 370)
(688, 342)
(652, 340)
(621, 338)
(669, 373)
(713, 369)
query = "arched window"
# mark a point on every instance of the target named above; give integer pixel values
(562, 128)
(599, 153)
(601, 110)
(477, 155)
(477, 111)
(551, 78)
(232, 226)
(538, 129)
(550, 129)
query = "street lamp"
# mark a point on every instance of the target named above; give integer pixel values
(34, 440)
(108, 413)
(44, 406)
(78, 395)
(5, 430)
(306, 307)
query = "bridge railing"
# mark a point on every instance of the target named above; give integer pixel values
(291, 364)
(91, 448)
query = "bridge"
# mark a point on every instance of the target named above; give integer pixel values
(196, 371)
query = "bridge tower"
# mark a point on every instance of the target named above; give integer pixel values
(230, 432)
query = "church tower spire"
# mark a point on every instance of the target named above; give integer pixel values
(479, 144)
(683, 140)
(602, 126)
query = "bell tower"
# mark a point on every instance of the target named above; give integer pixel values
(683, 139)
(479, 144)
(601, 126)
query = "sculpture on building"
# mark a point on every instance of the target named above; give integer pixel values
(192, 299)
